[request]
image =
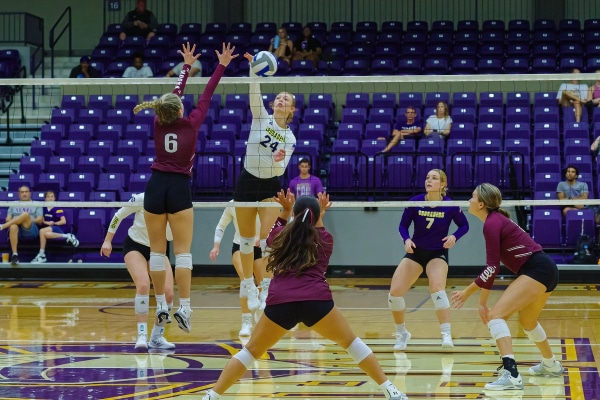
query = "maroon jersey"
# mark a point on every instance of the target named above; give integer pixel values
(176, 143)
(505, 242)
(311, 284)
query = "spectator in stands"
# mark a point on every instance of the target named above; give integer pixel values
(440, 122)
(85, 70)
(21, 221)
(305, 184)
(571, 189)
(407, 126)
(139, 22)
(307, 47)
(54, 218)
(138, 69)
(196, 69)
(593, 96)
(282, 46)
(573, 94)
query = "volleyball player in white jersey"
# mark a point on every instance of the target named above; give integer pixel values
(268, 152)
(259, 267)
(136, 250)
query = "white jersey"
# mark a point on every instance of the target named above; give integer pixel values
(266, 138)
(137, 232)
(227, 217)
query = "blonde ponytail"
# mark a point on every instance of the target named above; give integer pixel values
(144, 105)
(166, 108)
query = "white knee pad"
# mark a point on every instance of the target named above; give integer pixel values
(537, 334)
(246, 245)
(184, 260)
(396, 303)
(157, 262)
(358, 350)
(245, 358)
(498, 329)
(440, 300)
(141, 305)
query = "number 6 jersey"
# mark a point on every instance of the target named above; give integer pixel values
(266, 138)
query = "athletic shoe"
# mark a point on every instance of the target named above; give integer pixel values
(253, 301)
(263, 295)
(395, 394)
(246, 326)
(39, 259)
(142, 341)
(71, 239)
(447, 341)
(403, 364)
(182, 316)
(162, 316)
(14, 260)
(542, 370)
(506, 382)
(160, 343)
(401, 340)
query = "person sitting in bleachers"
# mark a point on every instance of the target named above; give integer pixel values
(54, 218)
(84, 70)
(571, 189)
(593, 97)
(307, 47)
(573, 94)
(440, 122)
(282, 46)
(139, 22)
(195, 70)
(407, 126)
(138, 69)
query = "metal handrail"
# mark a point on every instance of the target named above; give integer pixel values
(53, 41)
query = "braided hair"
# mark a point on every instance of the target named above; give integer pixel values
(167, 108)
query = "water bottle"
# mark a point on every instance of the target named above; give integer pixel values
(587, 252)
(276, 41)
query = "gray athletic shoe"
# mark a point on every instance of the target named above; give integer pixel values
(541, 370)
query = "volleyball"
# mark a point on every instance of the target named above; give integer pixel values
(263, 63)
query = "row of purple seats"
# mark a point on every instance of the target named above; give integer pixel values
(10, 63)
(547, 226)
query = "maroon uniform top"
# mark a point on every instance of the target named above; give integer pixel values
(504, 241)
(176, 143)
(311, 284)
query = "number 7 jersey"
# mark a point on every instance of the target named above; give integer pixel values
(265, 140)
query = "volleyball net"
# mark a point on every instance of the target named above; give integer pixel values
(86, 144)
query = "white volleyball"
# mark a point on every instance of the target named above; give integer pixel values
(263, 63)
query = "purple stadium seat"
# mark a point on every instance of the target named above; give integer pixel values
(100, 148)
(328, 68)
(409, 66)
(345, 146)
(210, 172)
(350, 130)
(463, 51)
(85, 132)
(517, 114)
(126, 101)
(571, 50)
(309, 131)
(544, 99)
(138, 181)
(545, 130)
(467, 26)
(92, 164)
(546, 147)
(82, 181)
(566, 64)
(491, 99)
(463, 65)
(455, 145)
(516, 65)
(460, 169)
(144, 163)
(433, 98)
(72, 148)
(91, 227)
(517, 99)
(400, 173)
(120, 117)
(122, 164)
(548, 164)
(17, 180)
(569, 114)
(302, 68)
(491, 114)
(461, 114)
(381, 115)
(488, 144)
(392, 26)
(517, 131)
(547, 227)
(32, 165)
(63, 116)
(521, 146)
(71, 196)
(320, 101)
(489, 65)
(50, 181)
(577, 221)
(370, 147)
(356, 66)
(583, 162)
(357, 100)
(466, 38)
(317, 116)
(224, 147)
(575, 146)
(521, 167)
(435, 65)
(576, 130)
(52, 132)
(424, 164)
(354, 115)
(543, 65)
(491, 49)
(109, 181)
(431, 144)
(43, 148)
(489, 130)
(137, 132)
(374, 130)
(408, 99)
(341, 173)
(100, 101)
(387, 100)
(516, 49)
(488, 168)
(62, 164)
(462, 130)
(73, 101)
(268, 28)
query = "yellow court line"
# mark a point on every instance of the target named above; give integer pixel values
(575, 383)
(570, 350)
(16, 350)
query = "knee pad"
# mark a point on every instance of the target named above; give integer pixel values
(245, 357)
(184, 260)
(537, 334)
(498, 329)
(440, 300)
(396, 303)
(246, 245)
(358, 350)
(157, 262)
(141, 305)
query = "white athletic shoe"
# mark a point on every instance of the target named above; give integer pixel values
(401, 340)
(253, 301)
(403, 364)
(542, 370)
(162, 316)
(160, 343)
(506, 382)
(246, 325)
(263, 295)
(182, 316)
(39, 259)
(71, 239)
(142, 341)
(447, 341)
(395, 394)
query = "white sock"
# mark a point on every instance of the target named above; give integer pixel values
(212, 395)
(184, 302)
(42, 252)
(549, 362)
(248, 282)
(64, 235)
(142, 328)
(389, 389)
(445, 327)
(157, 331)
(160, 301)
(400, 328)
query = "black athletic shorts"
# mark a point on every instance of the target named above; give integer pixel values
(251, 188)
(131, 245)
(167, 193)
(423, 256)
(257, 251)
(543, 269)
(309, 312)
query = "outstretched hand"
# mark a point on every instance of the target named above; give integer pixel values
(286, 199)
(324, 202)
(188, 53)
(226, 55)
(248, 57)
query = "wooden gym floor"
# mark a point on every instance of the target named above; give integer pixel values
(74, 340)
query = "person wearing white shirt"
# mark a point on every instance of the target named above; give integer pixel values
(440, 122)
(195, 70)
(573, 94)
(138, 69)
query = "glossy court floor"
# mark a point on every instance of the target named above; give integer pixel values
(74, 340)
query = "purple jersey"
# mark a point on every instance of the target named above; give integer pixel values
(311, 283)
(403, 125)
(54, 214)
(306, 187)
(431, 224)
(505, 242)
(176, 143)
